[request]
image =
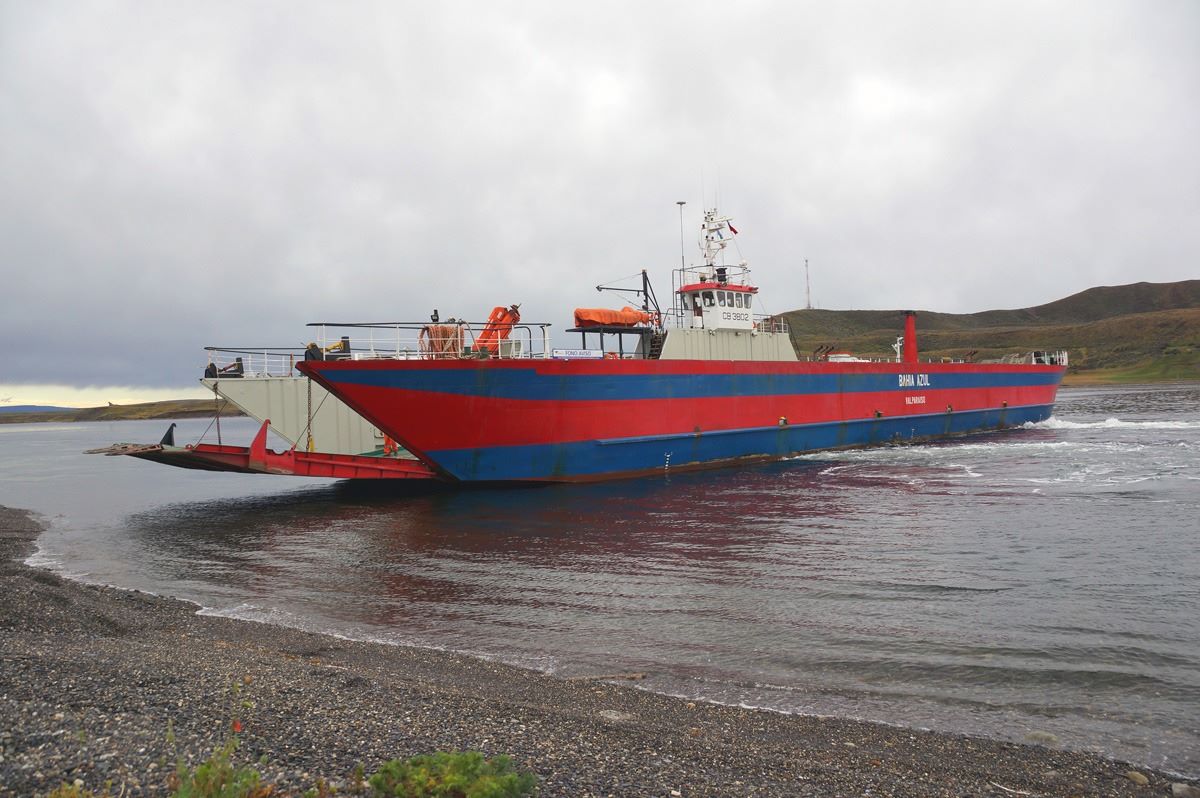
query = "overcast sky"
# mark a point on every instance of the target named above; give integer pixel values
(174, 175)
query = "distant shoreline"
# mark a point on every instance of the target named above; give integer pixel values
(174, 408)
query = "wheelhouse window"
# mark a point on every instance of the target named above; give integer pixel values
(721, 298)
(708, 299)
(748, 300)
(737, 300)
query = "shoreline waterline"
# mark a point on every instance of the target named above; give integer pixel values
(93, 676)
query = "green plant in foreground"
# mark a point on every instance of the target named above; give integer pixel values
(218, 778)
(464, 774)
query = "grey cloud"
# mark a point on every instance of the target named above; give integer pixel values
(177, 175)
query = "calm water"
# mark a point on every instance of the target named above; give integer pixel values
(1042, 580)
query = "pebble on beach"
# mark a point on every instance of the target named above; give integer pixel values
(1137, 778)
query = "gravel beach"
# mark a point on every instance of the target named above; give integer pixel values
(92, 679)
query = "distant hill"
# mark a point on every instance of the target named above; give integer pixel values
(177, 408)
(30, 408)
(1143, 331)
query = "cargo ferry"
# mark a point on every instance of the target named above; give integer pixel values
(711, 382)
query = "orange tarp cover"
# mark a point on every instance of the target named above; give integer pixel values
(596, 317)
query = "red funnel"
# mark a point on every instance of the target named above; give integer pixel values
(910, 336)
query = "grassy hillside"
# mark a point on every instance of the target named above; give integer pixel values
(1144, 331)
(178, 408)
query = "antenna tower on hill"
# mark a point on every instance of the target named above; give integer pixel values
(807, 288)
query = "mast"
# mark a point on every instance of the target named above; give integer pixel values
(675, 309)
(682, 257)
(715, 235)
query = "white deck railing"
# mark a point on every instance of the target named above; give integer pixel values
(459, 340)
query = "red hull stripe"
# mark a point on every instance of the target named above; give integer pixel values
(423, 421)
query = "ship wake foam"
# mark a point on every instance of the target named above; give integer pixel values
(1109, 423)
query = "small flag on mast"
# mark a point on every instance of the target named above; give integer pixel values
(732, 229)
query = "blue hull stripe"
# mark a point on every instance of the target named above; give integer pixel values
(527, 384)
(607, 458)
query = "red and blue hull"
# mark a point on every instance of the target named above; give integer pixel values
(583, 420)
